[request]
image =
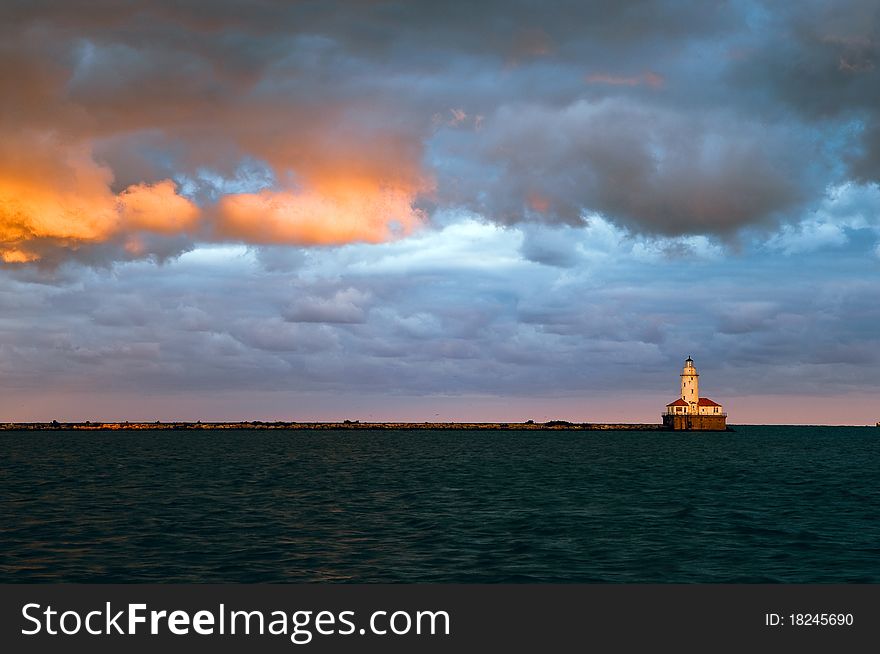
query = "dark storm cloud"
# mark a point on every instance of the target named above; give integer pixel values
(820, 61)
(646, 167)
(819, 58)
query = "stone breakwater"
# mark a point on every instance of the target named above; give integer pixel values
(346, 424)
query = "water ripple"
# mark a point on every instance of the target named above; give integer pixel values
(763, 504)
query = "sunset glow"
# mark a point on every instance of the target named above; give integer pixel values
(343, 211)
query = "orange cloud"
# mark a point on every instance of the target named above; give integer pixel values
(157, 208)
(13, 255)
(54, 195)
(55, 198)
(76, 169)
(51, 189)
(335, 212)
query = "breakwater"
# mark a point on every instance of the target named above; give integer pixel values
(557, 425)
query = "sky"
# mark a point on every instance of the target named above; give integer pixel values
(359, 209)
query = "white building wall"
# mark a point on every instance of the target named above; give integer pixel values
(690, 384)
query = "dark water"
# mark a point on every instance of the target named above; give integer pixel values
(762, 504)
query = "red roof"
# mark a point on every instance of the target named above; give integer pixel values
(705, 401)
(678, 402)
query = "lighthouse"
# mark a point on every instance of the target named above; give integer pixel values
(690, 411)
(690, 383)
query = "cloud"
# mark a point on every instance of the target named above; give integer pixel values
(361, 124)
(352, 211)
(648, 168)
(275, 335)
(846, 210)
(551, 247)
(55, 197)
(648, 79)
(363, 320)
(118, 109)
(346, 306)
(156, 208)
(477, 204)
(819, 63)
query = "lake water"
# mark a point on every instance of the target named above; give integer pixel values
(760, 504)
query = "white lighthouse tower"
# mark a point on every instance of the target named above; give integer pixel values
(690, 385)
